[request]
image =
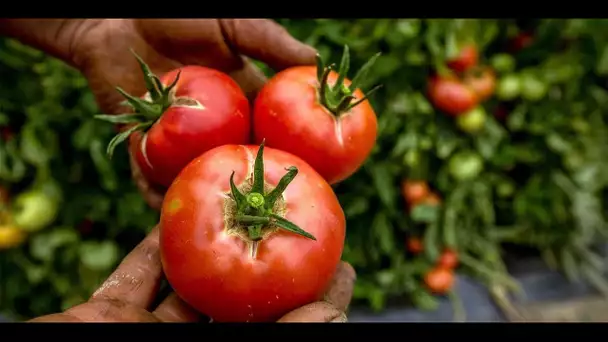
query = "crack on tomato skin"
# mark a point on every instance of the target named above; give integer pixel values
(144, 149)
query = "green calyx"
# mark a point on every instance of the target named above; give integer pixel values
(254, 210)
(339, 98)
(146, 111)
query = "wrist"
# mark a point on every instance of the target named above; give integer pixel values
(55, 37)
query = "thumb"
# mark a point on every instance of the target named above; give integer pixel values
(268, 42)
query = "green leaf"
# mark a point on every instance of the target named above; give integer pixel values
(121, 137)
(121, 118)
(290, 226)
(425, 213)
(99, 256)
(276, 193)
(43, 246)
(383, 230)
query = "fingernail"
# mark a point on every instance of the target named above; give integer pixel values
(340, 319)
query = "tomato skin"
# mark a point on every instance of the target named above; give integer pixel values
(439, 280)
(472, 121)
(483, 83)
(466, 59)
(414, 191)
(183, 133)
(10, 235)
(509, 87)
(448, 259)
(451, 95)
(213, 271)
(533, 88)
(34, 210)
(521, 41)
(288, 115)
(465, 165)
(414, 245)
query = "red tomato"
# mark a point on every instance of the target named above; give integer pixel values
(225, 266)
(466, 59)
(414, 245)
(451, 95)
(320, 117)
(414, 191)
(482, 81)
(439, 280)
(448, 259)
(521, 41)
(204, 109)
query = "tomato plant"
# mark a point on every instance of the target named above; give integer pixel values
(465, 165)
(414, 245)
(34, 209)
(414, 191)
(472, 121)
(482, 81)
(184, 113)
(439, 280)
(231, 242)
(320, 116)
(509, 87)
(448, 259)
(451, 95)
(466, 59)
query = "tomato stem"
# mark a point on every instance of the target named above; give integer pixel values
(254, 210)
(147, 111)
(338, 98)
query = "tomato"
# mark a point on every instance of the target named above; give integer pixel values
(432, 199)
(451, 95)
(509, 87)
(503, 62)
(318, 115)
(10, 235)
(448, 259)
(439, 280)
(521, 41)
(414, 191)
(411, 158)
(465, 165)
(414, 245)
(185, 113)
(472, 121)
(533, 88)
(482, 81)
(246, 259)
(466, 59)
(34, 210)
(505, 189)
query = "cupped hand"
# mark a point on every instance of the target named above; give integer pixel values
(129, 293)
(101, 50)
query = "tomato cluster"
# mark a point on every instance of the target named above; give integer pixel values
(250, 232)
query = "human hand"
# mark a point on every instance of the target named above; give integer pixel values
(101, 47)
(128, 294)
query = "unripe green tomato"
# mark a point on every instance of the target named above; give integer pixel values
(533, 88)
(509, 87)
(465, 165)
(503, 62)
(34, 210)
(472, 121)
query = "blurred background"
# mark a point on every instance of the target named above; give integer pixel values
(521, 179)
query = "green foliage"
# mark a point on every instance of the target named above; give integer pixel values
(542, 182)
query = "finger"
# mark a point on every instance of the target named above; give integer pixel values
(340, 291)
(315, 312)
(267, 41)
(137, 278)
(250, 78)
(173, 309)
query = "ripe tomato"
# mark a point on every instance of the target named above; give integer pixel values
(34, 210)
(246, 259)
(414, 245)
(451, 95)
(318, 115)
(414, 191)
(509, 87)
(482, 81)
(521, 41)
(465, 165)
(448, 259)
(185, 113)
(472, 121)
(466, 59)
(439, 280)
